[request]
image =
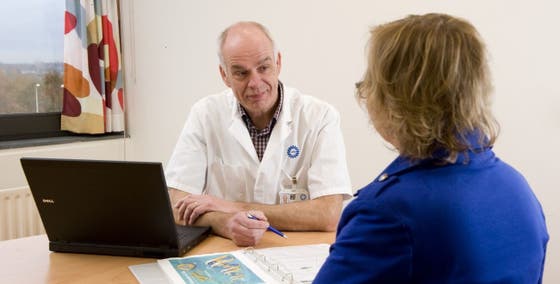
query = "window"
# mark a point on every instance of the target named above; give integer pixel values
(31, 69)
(31, 63)
(31, 56)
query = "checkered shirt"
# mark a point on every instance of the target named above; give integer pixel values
(260, 137)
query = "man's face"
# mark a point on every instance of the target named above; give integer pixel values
(251, 71)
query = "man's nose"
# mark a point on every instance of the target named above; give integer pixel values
(254, 79)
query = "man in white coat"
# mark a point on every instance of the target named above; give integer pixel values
(258, 147)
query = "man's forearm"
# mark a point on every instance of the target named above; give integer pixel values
(216, 220)
(320, 214)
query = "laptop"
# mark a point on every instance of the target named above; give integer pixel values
(107, 207)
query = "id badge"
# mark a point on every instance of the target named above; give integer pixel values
(289, 195)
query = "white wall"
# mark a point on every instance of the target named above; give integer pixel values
(12, 176)
(171, 62)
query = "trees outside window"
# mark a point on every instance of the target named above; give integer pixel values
(30, 88)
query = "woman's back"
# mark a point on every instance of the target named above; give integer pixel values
(477, 222)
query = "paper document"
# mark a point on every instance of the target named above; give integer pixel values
(288, 264)
(149, 273)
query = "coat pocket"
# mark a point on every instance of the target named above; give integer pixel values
(230, 182)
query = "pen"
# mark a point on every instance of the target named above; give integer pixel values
(270, 228)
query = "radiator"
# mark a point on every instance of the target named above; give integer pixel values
(18, 214)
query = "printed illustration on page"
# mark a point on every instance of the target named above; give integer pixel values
(218, 268)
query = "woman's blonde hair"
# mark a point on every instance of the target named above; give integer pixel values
(427, 85)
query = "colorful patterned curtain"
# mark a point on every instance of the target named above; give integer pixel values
(93, 101)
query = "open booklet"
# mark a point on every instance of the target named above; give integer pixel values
(288, 264)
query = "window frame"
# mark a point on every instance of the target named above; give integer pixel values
(21, 126)
(38, 129)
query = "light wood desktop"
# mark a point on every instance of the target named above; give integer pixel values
(28, 260)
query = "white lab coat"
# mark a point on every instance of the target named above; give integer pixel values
(215, 154)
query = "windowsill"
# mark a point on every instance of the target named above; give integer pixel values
(56, 140)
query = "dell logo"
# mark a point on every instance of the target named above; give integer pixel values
(48, 200)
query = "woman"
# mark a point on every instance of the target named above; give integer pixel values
(447, 210)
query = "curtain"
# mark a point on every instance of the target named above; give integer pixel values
(93, 99)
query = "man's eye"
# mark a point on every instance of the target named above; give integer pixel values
(263, 68)
(239, 73)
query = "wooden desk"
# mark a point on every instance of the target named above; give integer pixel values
(28, 260)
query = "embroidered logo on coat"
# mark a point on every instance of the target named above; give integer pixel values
(293, 151)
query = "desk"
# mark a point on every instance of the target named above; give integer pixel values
(28, 260)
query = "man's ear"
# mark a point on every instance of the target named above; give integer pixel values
(278, 62)
(224, 76)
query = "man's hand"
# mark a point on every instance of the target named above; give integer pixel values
(193, 205)
(244, 231)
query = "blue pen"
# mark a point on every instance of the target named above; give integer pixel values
(270, 228)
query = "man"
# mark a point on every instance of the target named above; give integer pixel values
(240, 148)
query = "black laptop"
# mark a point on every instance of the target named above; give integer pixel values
(107, 207)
